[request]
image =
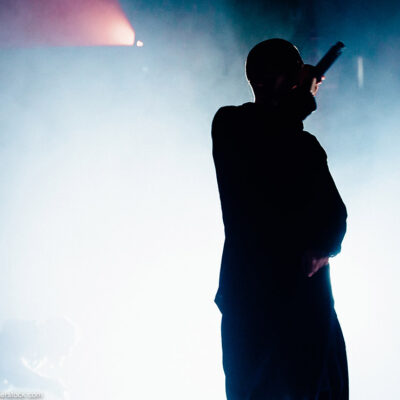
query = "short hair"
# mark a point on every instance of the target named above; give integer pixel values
(271, 58)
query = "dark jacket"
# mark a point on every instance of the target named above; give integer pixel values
(278, 200)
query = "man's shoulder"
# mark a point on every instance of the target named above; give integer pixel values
(230, 116)
(231, 110)
(223, 121)
(309, 138)
(311, 145)
(224, 113)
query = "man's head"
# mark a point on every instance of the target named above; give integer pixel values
(272, 67)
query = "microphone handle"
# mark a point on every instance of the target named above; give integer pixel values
(328, 59)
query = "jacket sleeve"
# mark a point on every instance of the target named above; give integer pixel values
(224, 143)
(297, 105)
(326, 211)
(225, 155)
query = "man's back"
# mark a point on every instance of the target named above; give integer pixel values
(278, 200)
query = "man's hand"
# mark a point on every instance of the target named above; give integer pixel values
(313, 263)
(307, 79)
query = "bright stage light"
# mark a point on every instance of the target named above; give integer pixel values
(60, 23)
(121, 33)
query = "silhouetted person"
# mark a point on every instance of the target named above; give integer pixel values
(283, 219)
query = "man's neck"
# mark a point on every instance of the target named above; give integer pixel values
(270, 101)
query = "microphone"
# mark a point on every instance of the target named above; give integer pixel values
(328, 59)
